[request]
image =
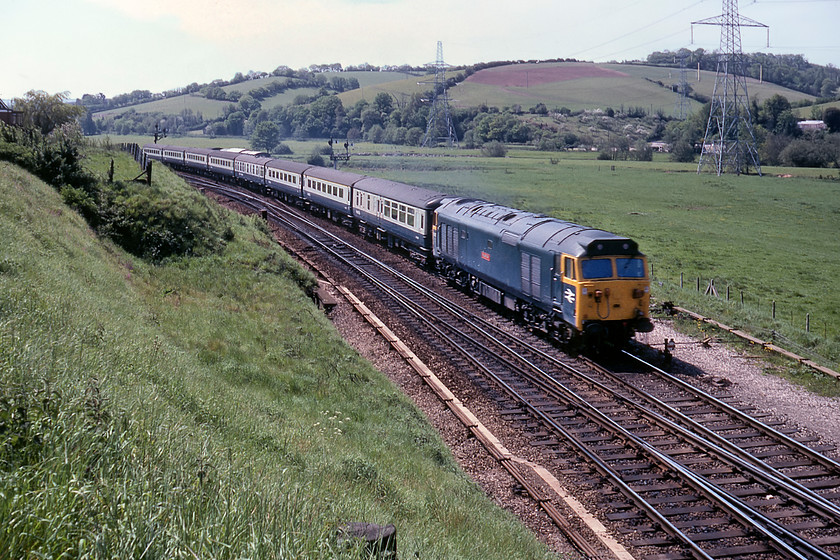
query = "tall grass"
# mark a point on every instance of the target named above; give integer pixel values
(202, 408)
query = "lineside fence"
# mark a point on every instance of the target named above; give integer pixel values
(807, 333)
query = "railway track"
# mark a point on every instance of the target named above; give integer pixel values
(677, 472)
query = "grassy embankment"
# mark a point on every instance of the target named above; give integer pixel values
(202, 407)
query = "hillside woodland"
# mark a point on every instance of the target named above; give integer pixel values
(319, 103)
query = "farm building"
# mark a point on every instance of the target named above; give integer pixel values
(8, 116)
(811, 125)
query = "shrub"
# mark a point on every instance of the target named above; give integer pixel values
(315, 158)
(494, 149)
(682, 151)
(282, 149)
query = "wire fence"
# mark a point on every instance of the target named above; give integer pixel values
(796, 328)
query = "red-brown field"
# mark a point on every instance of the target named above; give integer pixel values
(530, 75)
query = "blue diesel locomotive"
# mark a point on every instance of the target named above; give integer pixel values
(565, 279)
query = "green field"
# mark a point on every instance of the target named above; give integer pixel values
(210, 108)
(371, 83)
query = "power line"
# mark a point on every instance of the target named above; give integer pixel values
(649, 25)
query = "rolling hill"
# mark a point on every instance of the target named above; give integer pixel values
(573, 85)
(579, 85)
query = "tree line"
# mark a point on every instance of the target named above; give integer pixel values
(792, 71)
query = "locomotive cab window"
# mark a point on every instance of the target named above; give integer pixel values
(596, 268)
(630, 267)
(569, 268)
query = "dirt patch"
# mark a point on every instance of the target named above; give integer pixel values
(529, 75)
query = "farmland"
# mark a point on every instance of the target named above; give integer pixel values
(574, 85)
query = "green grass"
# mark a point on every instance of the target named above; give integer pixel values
(201, 408)
(706, 82)
(371, 83)
(210, 108)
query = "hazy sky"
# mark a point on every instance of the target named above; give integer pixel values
(116, 46)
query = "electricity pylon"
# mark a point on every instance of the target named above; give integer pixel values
(681, 105)
(729, 144)
(439, 127)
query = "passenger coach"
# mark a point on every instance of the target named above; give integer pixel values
(399, 214)
(330, 191)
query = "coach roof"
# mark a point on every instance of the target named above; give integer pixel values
(408, 194)
(333, 176)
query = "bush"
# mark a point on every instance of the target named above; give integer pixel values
(315, 158)
(155, 226)
(282, 149)
(494, 149)
(682, 151)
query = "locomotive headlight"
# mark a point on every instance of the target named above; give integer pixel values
(598, 295)
(638, 293)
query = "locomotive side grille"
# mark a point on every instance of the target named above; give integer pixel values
(530, 272)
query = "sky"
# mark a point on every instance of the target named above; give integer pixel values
(117, 46)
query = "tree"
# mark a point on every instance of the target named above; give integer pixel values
(45, 112)
(772, 109)
(383, 103)
(266, 135)
(235, 123)
(831, 118)
(682, 151)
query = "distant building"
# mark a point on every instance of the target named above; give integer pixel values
(660, 146)
(14, 118)
(811, 125)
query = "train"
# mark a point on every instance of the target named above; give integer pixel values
(574, 283)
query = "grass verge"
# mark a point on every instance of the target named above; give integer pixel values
(202, 407)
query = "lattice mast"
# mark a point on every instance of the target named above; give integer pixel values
(729, 144)
(681, 106)
(439, 127)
